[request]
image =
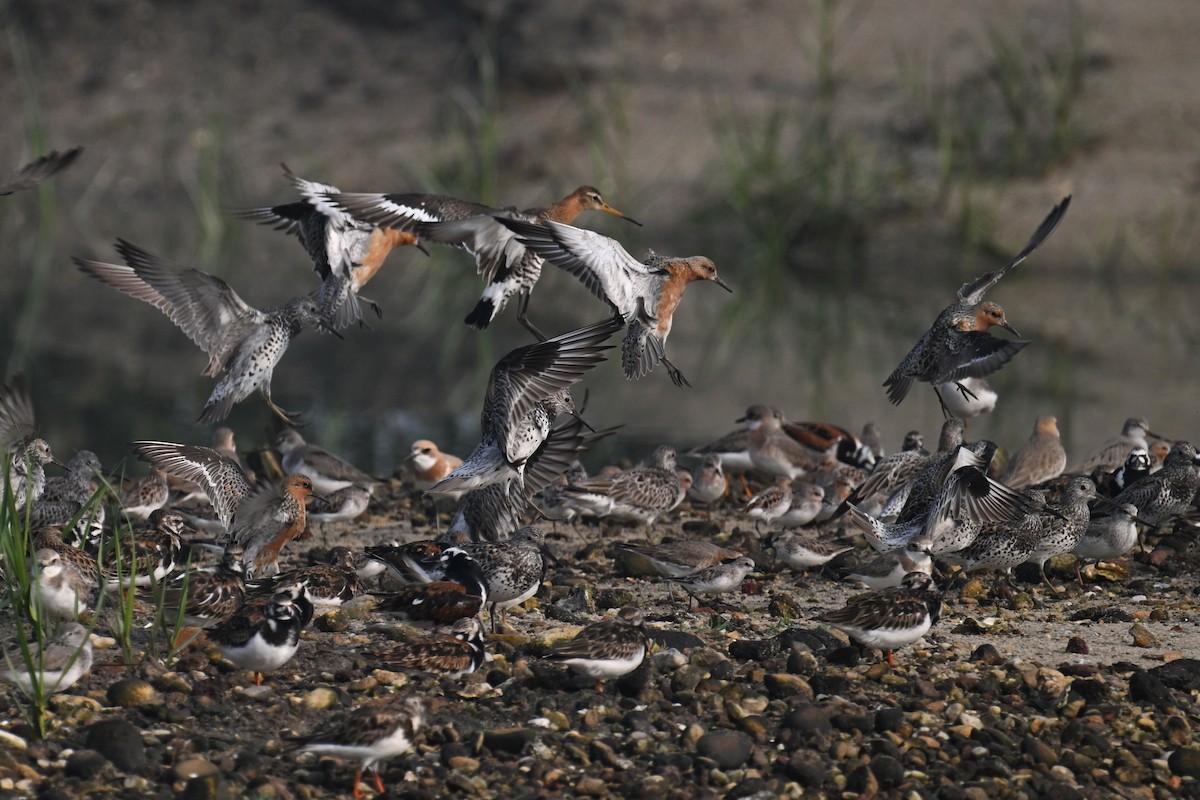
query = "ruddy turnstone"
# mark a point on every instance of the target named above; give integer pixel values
(825, 438)
(958, 344)
(371, 733)
(416, 562)
(1137, 466)
(264, 633)
(1041, 458)
(607, 649)
(54, 666)
(1168, 492)
(460, 652)
(327, 585)
(892, 618)
(460, 592)
(148, 554)
(206, 596)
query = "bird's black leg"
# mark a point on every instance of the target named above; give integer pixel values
(523, 318)
(965, 392)
(676, 376)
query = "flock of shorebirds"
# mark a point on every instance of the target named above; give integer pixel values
(914, 508)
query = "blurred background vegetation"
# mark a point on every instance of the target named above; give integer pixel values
(847, 164)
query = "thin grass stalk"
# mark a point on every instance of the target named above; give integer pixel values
(26, 329)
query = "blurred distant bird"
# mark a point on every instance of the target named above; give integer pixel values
(430, 464)
(338, 244)
(1041, 458)
(328, 472)
(771, 503)
(708, 480)
(340, 506)
(958, 345)
(40, 170)
(57, 663)
(1112, 453)
(372, 733)
(807, 502)
(671, 559)
(27, 454)
(244, 344)
(507, 265)
(145, 495)
(645, 293)
(772, 449)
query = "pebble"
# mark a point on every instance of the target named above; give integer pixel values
(320, 698)
(194, 768)
(1078, 645)
(131, 693)
(1185, 762)
(85, 764)
(785, 685)
(120, 742)
(1142, 637)
(729, 749)
(1145, 688)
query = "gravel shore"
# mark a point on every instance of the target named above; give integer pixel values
(1088, 692)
